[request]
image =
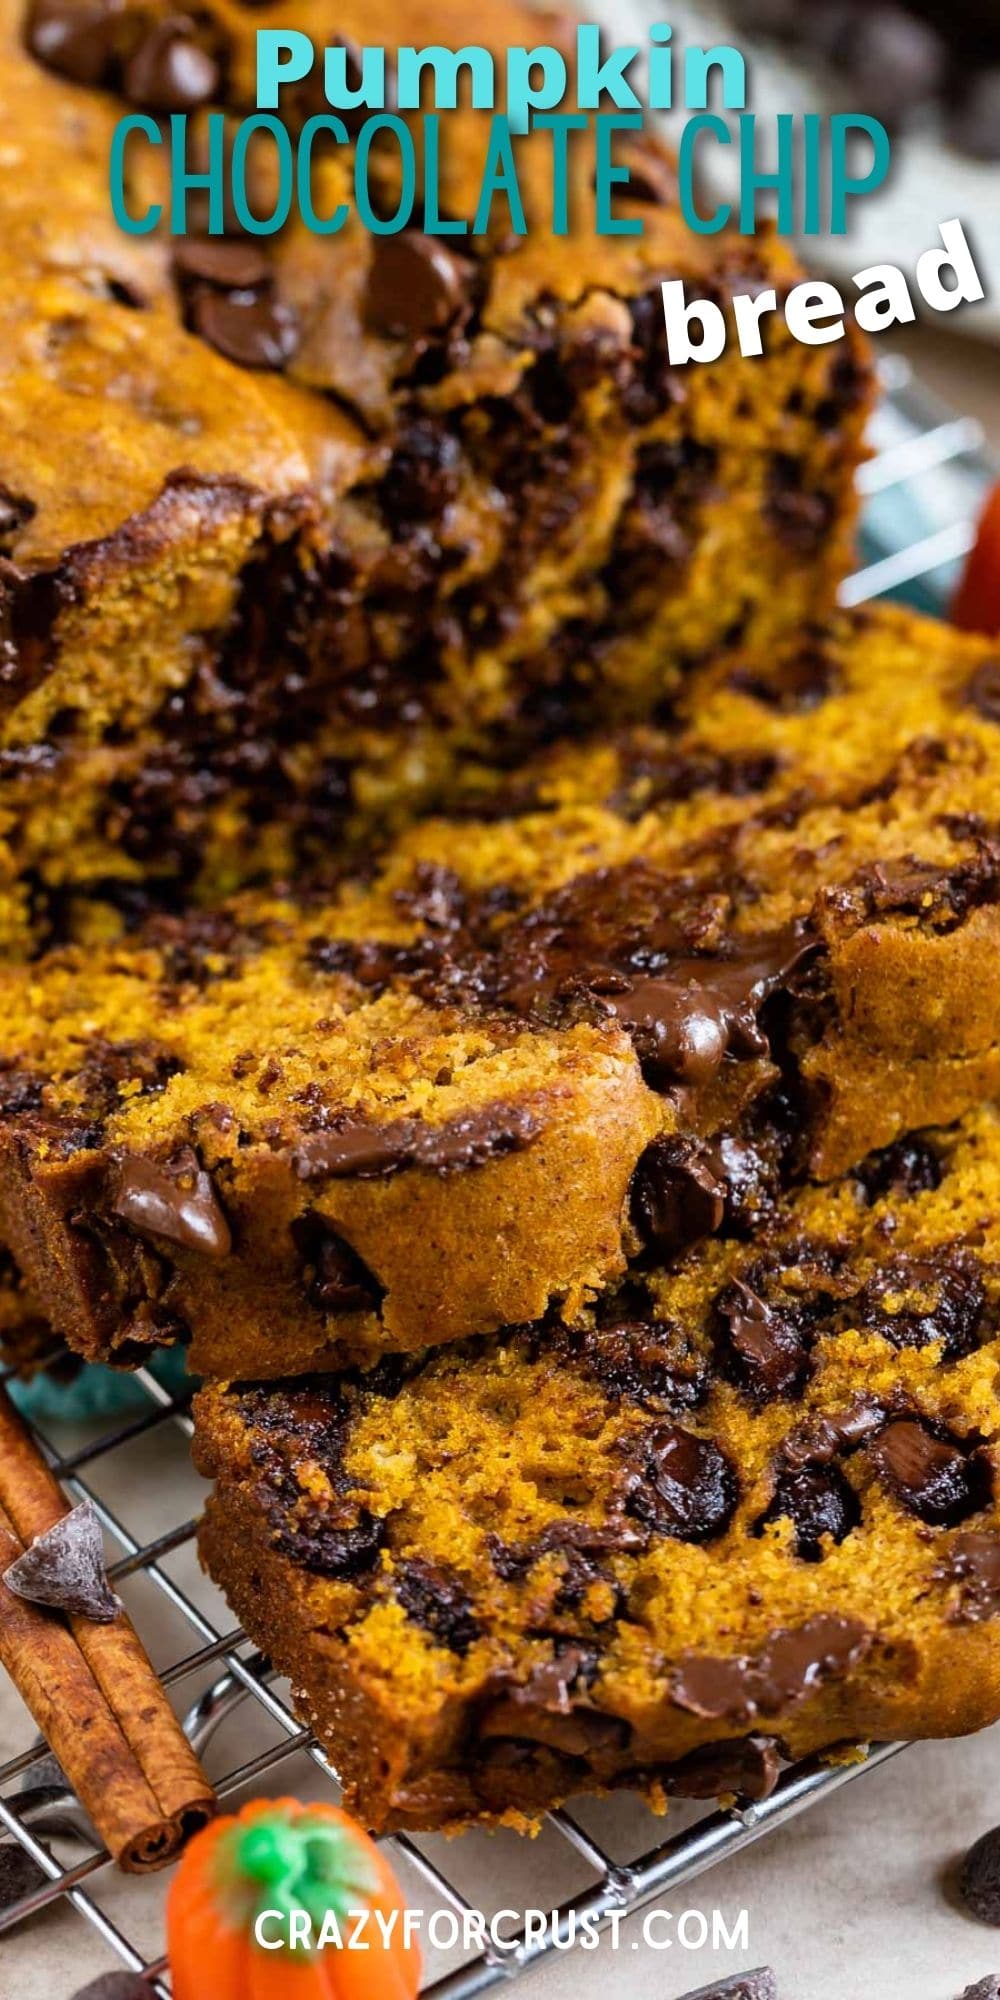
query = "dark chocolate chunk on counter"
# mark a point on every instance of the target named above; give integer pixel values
(64, 1568)
(980, 1877)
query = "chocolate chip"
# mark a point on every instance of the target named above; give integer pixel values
(19, 1874)
(680, 1485)
(748, 1766)
(648, 1361)
(764, 1349)
(794, 683)
(172, 1198)
(435, 1598)
(359, 1151)
(115, 1986)
(973, 1562)
(984, 1989)
(909, 1167)
(553, 1707)
(819, 1502)
(983, 691)
(979, 1881)
(415, 286)
(792, 1664)
(232, 264)
(675, 1198)
(915, 1301)
(249, 328)
(423, 474)
(64, 1568)
(337, 1280)
(799, 516)
(79, 41)
(931, 1476)
(171, 69)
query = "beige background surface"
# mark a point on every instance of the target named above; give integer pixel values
(849, 1902)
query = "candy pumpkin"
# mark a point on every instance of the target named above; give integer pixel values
(287, 1859)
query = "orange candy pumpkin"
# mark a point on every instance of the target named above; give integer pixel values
(286, 1859)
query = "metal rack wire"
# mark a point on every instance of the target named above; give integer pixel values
(922, 488)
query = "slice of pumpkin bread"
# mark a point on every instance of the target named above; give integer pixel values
(746, 1511)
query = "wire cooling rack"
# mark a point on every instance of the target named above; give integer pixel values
(922, 490)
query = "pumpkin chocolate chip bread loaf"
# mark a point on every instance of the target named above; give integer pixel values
(747, 1511)
(613, 1009)
(288, 529)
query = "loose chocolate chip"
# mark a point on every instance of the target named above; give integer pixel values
(680, 1485)
(232, 264)
(435, 1598)
(173, 1198)
(983, 691)
(931, 1476)
(64, 1568)
(910, 1167)
(415, 286)
(252, 329)
(914, 1302)
(171, 70)
(115, 1986)
(984, 1989)
(979, 1881)
(764, 1348)
(819, 1502)
(338, 1280)
(76, 40)
(675, 1198)
(19, 1874)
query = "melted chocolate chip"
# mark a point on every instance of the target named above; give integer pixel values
(337, 1280)
(979, 1881)
(554, 1707)
(973, 1562)
(933, 1477)
(360, 1151)
(171, 69)
(983, 691)
(908, 1168)
(175, 1199)
(819, 1502)
(748, 1766)
(915, 1301)
(250, 328)
(680, 1485)
(645, 1360)
(800, 516)
(435, 1598)
(820, 1438)
(64, 1568)
(415, 286)
(15, 513)
(675, 1197)
(791, 1665)
(764, 1348)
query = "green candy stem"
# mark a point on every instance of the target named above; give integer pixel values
(287, 1861)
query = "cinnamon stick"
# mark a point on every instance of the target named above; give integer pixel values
(91, 1688)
